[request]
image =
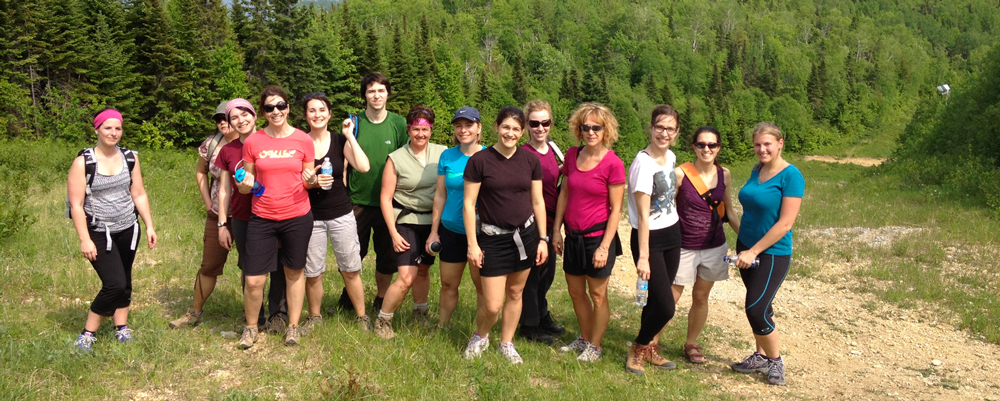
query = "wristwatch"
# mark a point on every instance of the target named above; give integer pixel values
(223, 224)
(546, 239)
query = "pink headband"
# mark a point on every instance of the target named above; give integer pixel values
(239, 102)
(106, 115)
(421, 122)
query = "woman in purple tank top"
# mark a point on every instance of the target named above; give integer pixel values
(700, 207)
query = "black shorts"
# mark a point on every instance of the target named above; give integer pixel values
(263, 237)
(454, 246)
(500, 253)
(416, 235)
(371, 225)
(587, 268)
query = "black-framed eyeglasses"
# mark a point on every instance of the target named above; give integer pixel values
(710, 145)
(659, 129)
(536, 123)
(591, 128)
(280, 106)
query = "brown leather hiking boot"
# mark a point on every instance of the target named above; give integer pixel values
(656, 360)
(634, 359)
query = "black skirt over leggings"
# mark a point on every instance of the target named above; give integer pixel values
(664, 257)
(114, 267)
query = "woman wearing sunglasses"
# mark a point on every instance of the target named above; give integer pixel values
(279, 157)
(536, 322)
(590, 203)
(704, 203)
(332, 211)
(505, 181)
(407, 202)
(656, 236)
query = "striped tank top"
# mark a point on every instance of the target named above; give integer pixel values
(110, 201)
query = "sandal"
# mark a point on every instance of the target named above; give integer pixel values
(692, 354)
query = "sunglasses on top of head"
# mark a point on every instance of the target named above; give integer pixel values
(710, 145)
(591, 128)
(536, 123)
(280, 106)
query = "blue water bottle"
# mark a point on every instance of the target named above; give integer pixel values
(258, 188)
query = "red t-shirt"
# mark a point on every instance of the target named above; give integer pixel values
(587, 203)
(228, 161)
(278, 166)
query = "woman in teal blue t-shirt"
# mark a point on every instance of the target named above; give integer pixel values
(771, 199)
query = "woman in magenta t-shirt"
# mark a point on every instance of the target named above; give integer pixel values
(592, 193)
(276, 157)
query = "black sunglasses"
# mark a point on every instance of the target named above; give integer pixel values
(594, 128)
(536, 123)
(710, 145)
(280, 106)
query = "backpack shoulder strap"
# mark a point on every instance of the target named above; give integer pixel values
(214, 144)
(129, 157)
(89, 166)
(555, 150)
(691, 172)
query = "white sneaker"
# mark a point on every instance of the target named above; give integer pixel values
(577, 345)
(474, 349)
(590, 354)
(509, 353)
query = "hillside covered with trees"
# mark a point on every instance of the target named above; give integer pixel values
(826, 71)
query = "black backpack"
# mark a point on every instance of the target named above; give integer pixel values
(90, 169)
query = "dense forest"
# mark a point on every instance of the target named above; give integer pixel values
(826, 71)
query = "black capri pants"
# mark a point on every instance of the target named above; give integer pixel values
(114, 267)
(664, 257)
(762, 285)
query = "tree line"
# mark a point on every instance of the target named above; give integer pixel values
(826, 71)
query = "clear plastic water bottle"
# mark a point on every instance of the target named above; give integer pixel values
(731, 259)
(258, 188)
(641, 292)
(326, 169)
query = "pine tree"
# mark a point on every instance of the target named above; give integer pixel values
(666, 94)
(716, 96)
(401, 74)
(816, 88)
(521, 85)
(652, 91)
(594, 89)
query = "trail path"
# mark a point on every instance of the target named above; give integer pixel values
(861, 161)
(837, 343)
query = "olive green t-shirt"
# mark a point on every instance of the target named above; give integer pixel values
(416, 180)
(377, 140)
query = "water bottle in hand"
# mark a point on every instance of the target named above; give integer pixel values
(731, 259)
(258, 188)
(435, 248)
(641, 292)
(326, 169)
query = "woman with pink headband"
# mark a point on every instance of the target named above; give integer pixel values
(105, 193)
(407, 199)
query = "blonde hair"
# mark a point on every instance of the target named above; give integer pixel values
(454, 135)
(603, 116)
(537, 105)
(766, 128)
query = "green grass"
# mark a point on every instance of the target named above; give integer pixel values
(46, 286)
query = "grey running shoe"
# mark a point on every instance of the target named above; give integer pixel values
(248, 338)
(510, 354)
(383, 329)
(189, 319)
(84, 343)
(753, 363)
(124, 335)
(589, 354)
(422, 317)
(776, 372)
(577, 345)
(310, 324)
(277, 324)
(474, 349)
(364, 323)
(292, 335)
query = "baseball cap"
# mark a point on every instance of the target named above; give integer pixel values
(467, 113)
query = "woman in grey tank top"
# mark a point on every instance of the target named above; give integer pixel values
(104, 208)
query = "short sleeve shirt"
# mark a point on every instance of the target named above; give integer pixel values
(761, 203)
(229, 160)
(329, 204)
(377, 140)
(416, 180)
(587, 201)
(505, 190)
(212, 169)
(452, 167)
(278, 166)
(660, 183)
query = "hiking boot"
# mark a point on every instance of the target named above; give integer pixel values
(577, 345)
(776, 372)
(189, 319)
(547, 325)
(422, 317)
(124, 335)
(589, 354)
(634, 359)
(84, 343)
(474, 349)
(292, 335)
(653, 358)
(310, 324)
(753, 363)
(248, 338)
(363, 322)
(277, 324)
(534, 333)
(383, 329)
(510, 354)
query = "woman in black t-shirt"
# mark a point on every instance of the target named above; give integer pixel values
(333, 214)
(507, 183)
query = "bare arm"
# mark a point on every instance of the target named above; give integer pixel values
(142, 203)
(202, 178)
(615, 194)
(642, 208)
(247, 184)
(353, 152)
(475, 254)
(385, 201)
(557, 239)
(225, 189)
(538, 206)
(734, 220)
(440, 198)
(76, 185)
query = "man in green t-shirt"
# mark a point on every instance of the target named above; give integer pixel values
(380, 132)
